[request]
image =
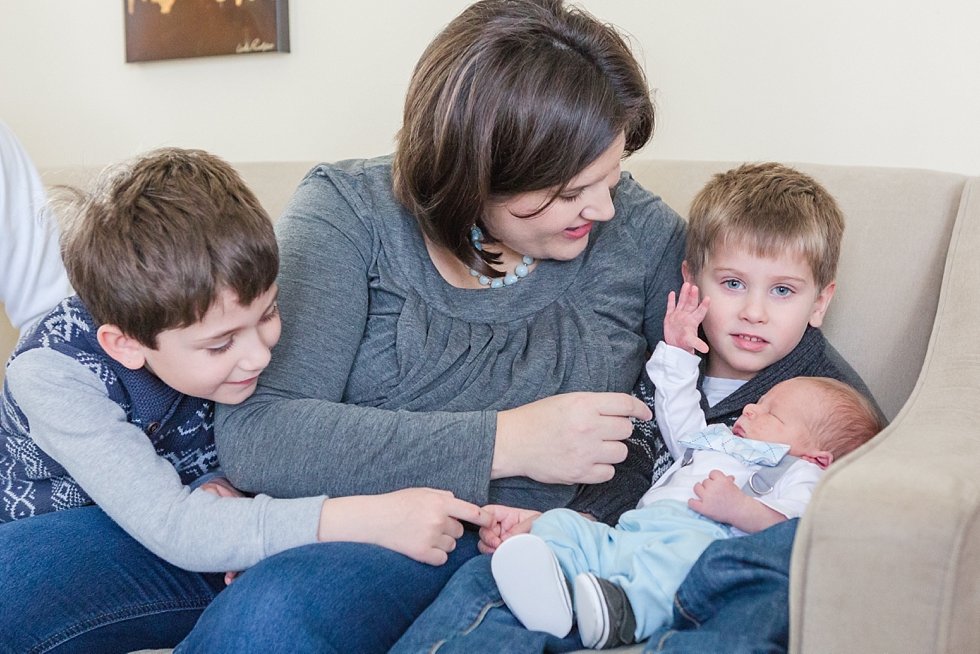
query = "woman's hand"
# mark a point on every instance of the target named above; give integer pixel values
(505, 521)
(421, 523)
(574, 438)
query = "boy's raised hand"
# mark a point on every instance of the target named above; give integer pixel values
(683, 319)
(421, 523)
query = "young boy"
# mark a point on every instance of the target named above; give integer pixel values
(718, 487)
(109, 398)
(745, 227)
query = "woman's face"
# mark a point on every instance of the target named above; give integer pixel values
(562, 230)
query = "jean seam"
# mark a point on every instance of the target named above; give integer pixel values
(119, 615)
(690, 618)
(476, 623)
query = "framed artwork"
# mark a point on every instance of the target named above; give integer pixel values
(176, 29)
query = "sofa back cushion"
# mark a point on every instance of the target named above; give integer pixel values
(898, 229)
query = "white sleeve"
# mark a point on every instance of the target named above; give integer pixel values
(32, 277)
(791, 494)
(74, 421)
(677, 401)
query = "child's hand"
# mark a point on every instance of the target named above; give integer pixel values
(718, 497)
(421, 523)
(505, 521)
(682, 321)
(221, 487)
(722, 501)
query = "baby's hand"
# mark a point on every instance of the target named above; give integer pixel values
(718, 497)
(505, 521)
(221, 487)
(681, 321)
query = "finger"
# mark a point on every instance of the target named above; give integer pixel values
(452, 528)
(598, 474)
(695, 505)
(434, 557)
(469, 512)
(485, 549)
(622, 405)
(611, 452)
(671, 302)
(445, 543)
(699, 490)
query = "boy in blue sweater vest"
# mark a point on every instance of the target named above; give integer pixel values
(109, 400)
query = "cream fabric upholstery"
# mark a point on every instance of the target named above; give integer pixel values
(888, 555)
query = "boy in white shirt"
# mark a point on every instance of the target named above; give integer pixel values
(625, 577)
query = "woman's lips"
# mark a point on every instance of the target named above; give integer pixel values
(579, 232)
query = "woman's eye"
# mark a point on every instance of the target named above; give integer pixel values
(570, 198)
(782, 291)
(732, 284)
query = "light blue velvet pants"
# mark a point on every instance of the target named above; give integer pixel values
(648, 554)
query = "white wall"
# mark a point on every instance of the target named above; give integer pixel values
(870, 82)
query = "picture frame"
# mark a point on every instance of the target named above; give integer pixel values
(178, 29)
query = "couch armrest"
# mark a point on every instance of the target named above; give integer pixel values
(887, 557)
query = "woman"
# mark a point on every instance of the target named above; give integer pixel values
(467, 315)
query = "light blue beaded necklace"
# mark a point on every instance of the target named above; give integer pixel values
(520, 272)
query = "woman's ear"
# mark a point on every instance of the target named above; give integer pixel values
(124, 349)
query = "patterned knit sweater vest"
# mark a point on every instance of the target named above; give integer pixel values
(180, 427)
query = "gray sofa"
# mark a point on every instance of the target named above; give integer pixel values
(887, 558)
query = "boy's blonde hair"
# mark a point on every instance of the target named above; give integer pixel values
(845, 419)
(152, 246)
(768, 209)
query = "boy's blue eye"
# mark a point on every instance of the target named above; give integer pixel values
(733, 284)
(782, 291)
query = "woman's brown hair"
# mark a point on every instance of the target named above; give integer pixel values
(512, 96)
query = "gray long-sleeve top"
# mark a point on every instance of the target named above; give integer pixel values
(388, 377)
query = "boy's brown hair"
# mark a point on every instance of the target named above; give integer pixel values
(512, 96)
(768, 209)
(846, 418)
(157, 239)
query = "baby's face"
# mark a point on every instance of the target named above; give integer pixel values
(781, 416)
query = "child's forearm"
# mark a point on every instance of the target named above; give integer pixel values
(752, 516)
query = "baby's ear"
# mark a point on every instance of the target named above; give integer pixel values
(822, 459)
(124, 349)
(821, 304)
(686, 272)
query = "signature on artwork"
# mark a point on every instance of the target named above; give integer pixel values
(255, 45)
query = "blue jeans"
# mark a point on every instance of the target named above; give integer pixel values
(469, 616)
(74, 581)
(735, 599)
(328, 597)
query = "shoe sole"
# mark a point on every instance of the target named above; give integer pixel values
(532, 584)
(592, 612)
